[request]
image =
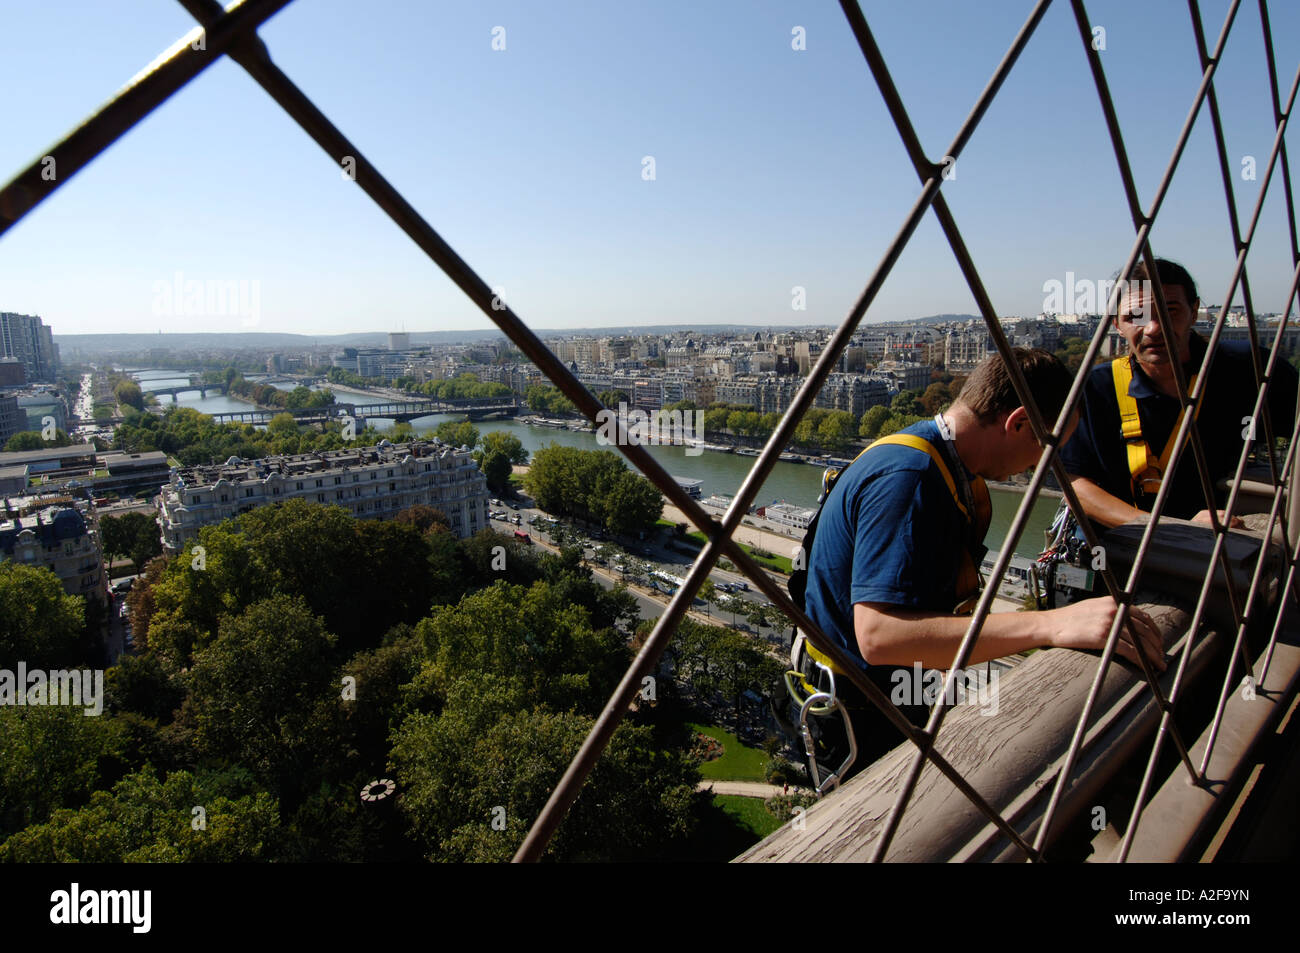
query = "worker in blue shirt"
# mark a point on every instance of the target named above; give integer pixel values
(1131, 412)
(891, 569)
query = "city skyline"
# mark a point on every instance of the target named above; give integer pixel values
(775, 168)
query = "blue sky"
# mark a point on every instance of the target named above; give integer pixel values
(774, 168)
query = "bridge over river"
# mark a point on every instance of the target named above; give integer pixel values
(473, 408)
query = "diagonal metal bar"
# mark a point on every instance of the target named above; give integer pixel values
(1141, 245)
(148, 90)
(911, 141)
(1234, 224)
(1202, 381)
(1238, 647)
(1277, 118)
(1166, 719)
(258, 63)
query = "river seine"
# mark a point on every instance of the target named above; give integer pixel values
(797, 483)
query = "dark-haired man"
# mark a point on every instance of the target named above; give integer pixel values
(1131, 413)
(897, 540)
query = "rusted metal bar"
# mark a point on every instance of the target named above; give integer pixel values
(1143, 225)
(902, 121)
(1140, 802)
(144, 93)
(259, 65)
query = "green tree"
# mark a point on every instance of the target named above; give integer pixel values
(872, 420)
(515, 677)
(40, 624)
(716, 419)
(496, 468)
(54, 756)
(132, 534)
(907, 402)
(128, 392)
(422, 517)
(506, 443)
(457, 433)
(631, 504)
(837, 430)
(261, 693)
(144, 819)
(935, 398)
(282, 425)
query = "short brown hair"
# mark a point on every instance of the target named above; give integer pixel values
(988, 391)
(1171, 274)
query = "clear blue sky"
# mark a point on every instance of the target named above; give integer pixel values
(774, 168)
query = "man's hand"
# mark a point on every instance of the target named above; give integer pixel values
(1205, 517)
(1086, 625)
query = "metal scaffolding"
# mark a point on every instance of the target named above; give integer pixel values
(233, 32)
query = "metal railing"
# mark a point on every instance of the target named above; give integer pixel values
(233, 32)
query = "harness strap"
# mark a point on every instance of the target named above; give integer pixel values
(968, 575)
(1146, 471)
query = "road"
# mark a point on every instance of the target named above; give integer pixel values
(653, 557)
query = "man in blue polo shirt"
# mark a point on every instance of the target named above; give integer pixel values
(898, 539)
(1118, 459)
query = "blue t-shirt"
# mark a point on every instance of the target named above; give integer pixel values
(1098, 451)
(889, 532)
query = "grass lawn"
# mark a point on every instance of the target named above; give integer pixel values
(738, 762)
(779, 563)
(747, 812)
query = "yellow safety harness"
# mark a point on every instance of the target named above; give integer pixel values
(968, 577)
(1146, 471)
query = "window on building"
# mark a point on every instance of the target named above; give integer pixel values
(223, 498)
(194, 501)
(320, 482)
(300, 484)
(248, 491)
(338, 480)
(320, 497)
(338, 494)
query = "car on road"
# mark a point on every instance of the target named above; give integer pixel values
(516, 520)
(741, 585)
(123, 585)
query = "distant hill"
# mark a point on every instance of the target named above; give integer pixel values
(269, 341)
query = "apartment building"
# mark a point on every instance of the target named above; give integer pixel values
(59, 538)
(369, 482)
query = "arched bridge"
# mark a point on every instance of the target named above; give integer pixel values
(195, 384)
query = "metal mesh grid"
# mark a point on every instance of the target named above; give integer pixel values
(233, 32)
